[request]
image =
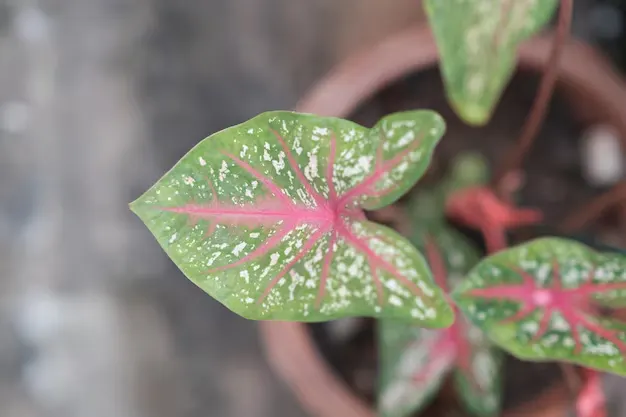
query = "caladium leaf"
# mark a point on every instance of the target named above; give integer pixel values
(478, 374)
(541, 300)
(477, 42)
(477, 367)
(267, 217)
(463, 347)
(413, 365)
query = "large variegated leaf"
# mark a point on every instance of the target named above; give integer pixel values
(477, 41)
(541, 301)
(413, 364)
(267, 217)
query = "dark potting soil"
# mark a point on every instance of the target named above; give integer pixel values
(553, 183)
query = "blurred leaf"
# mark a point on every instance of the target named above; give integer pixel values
(478, 41)
(478, 373)
(469, 169)
(414, 362)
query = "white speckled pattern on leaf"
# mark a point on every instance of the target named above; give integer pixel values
(541, 301)
(413, 361)
(267, 217)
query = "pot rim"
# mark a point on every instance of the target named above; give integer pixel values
(289, 346)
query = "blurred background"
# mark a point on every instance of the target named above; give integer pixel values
(98, 98)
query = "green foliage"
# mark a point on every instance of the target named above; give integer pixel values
(414, 361)
(267, 217)
(478, 41)
(542, 301)
(413, 364)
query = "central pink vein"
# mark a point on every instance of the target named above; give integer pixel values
(328, 218)
(574, 304)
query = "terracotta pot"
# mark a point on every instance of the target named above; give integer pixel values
(597, 95)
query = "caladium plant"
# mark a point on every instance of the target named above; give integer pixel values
(477, 42)
(543, 300)
(414, 362)
(268, 217)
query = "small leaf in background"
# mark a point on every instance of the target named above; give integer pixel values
(427, 207)
(477, 364)
(542, 301)
(478, 376)
(477, 42)
(469, 169)
(413, 361)
(267, 217)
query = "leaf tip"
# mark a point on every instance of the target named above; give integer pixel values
(134, 206)
(138, 207)
(472, 113)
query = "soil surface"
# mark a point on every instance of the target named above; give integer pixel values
(553, 183)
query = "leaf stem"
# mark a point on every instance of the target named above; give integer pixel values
(515, 157)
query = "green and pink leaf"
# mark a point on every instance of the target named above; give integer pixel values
(267, 217)
(478, 373)
(542, 301)
(477, 367)
(414, 362)
(477, 42)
